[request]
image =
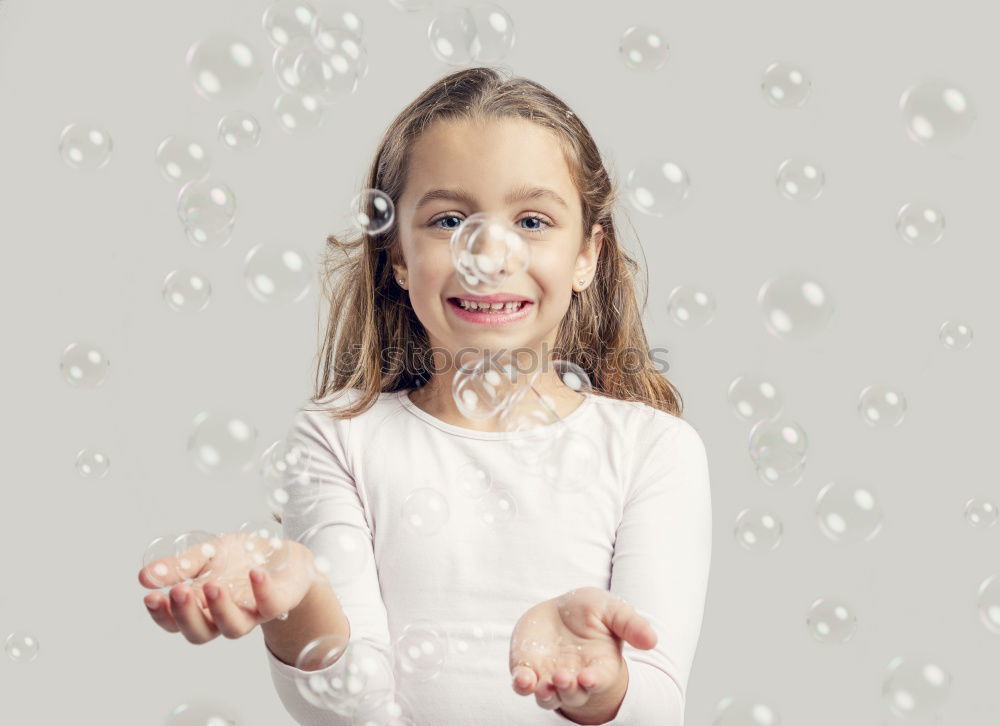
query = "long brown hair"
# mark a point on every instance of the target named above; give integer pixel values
(602, 330)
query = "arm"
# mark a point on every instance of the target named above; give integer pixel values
(325, 508)
(661, 567)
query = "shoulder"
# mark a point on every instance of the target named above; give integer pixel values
(643, 424)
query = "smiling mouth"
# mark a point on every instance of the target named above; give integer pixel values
(488, 309)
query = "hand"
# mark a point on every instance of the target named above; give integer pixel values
(567, 651)
(222, 597)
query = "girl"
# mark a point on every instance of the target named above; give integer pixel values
(534, 594)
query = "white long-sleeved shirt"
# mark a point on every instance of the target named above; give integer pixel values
(640, 526)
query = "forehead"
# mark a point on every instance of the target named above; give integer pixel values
(488, 158)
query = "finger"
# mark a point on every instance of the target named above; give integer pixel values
(158, 609)
(231, 620)
(546, 696)
(596, 677)
(170, 570)
(264, 593)
(568, 690)
(524, 680)
(190, 618)
(629, 625)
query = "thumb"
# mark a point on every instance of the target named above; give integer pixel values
(623, 620)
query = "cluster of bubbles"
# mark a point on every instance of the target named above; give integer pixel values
(471, 34)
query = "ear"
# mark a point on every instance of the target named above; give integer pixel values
(590, 252)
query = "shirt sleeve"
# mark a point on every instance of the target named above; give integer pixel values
(661, 566)
(325, 508)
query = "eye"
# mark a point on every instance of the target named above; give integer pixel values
(534, 230)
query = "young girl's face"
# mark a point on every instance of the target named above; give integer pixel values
(479, 165)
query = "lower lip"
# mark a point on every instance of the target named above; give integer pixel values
(490, 318)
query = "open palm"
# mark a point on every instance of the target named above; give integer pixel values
(568, 650)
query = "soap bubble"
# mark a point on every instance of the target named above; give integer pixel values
(483, 388)
(222, 442)
(572, 376)
(785, 85)
(276, 274)
(920, 224)
(92, 463)
(657, 186)
(483, 33)
(794, 306)
(487, 250)
(339, 17)
(572, 463)
(182, 159)
(742, 712)
(85, 146)
(182, 558)
(988, 603)
(777, 432)
(848, 512)
(340, 672)
(373, 211)
(916, 687)
(753, 398)
(643, 49)
(936, 112)
(831, 621)
(981, 512)
(186, 291)
(223, 66)
(691, 307)
(298, 114)
(200, 714)
(757, 530)
(343, 63)
(955, 336)
(84, 365)
(385, 707)
(21, 647)
(421, 650)
(285, 472)
(341, 551)
(881, 406)
(285, 20)
(472, 479)
(207, 209)
(239, 130)
(780, 466)
(425, 511)
(497, 506)
(800, 180)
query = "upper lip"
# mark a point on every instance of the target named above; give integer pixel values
(497, 298)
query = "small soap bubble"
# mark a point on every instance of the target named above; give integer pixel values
(207, 209)
(483, 33)
(92, 463)
(358, 669)
(277, 274)
(916, 687)
(757, 531)
(340, 67)
(21, 647)
(342, 551)
(780, 466)
(936, 112)
(799, 179)
(955, 336)
(421, 650)
(657, 186)
(186, 291)
(223, 67)
(981, 512)
(785, 85)
(298, 114)
(753, 398)
(487, 249)
(795, 306)
(372, 211)
(473, 480)
(239, 130)
(84, 365)
(182, 159)
(339, 17)
(496, 507)
(920, 225)
(831, 621)
(988, 603)
(848, 511)
(182, 558)
(777, 432)
(221, 442)
(285, 20)
(425, 511)
(643, 49)
(482, 388)
(85, 147)
(285, 472)
(881, 406)
(691, 307)
(572, 376)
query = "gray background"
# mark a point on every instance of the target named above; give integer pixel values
(87, 253)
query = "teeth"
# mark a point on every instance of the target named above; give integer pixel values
(490, 308)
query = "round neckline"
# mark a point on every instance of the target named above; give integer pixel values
(404, 399)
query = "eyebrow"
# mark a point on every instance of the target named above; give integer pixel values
(516, 194)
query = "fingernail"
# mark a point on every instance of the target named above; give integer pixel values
(179, 597)
(155, 605)
(211, 592)
(257, 575)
